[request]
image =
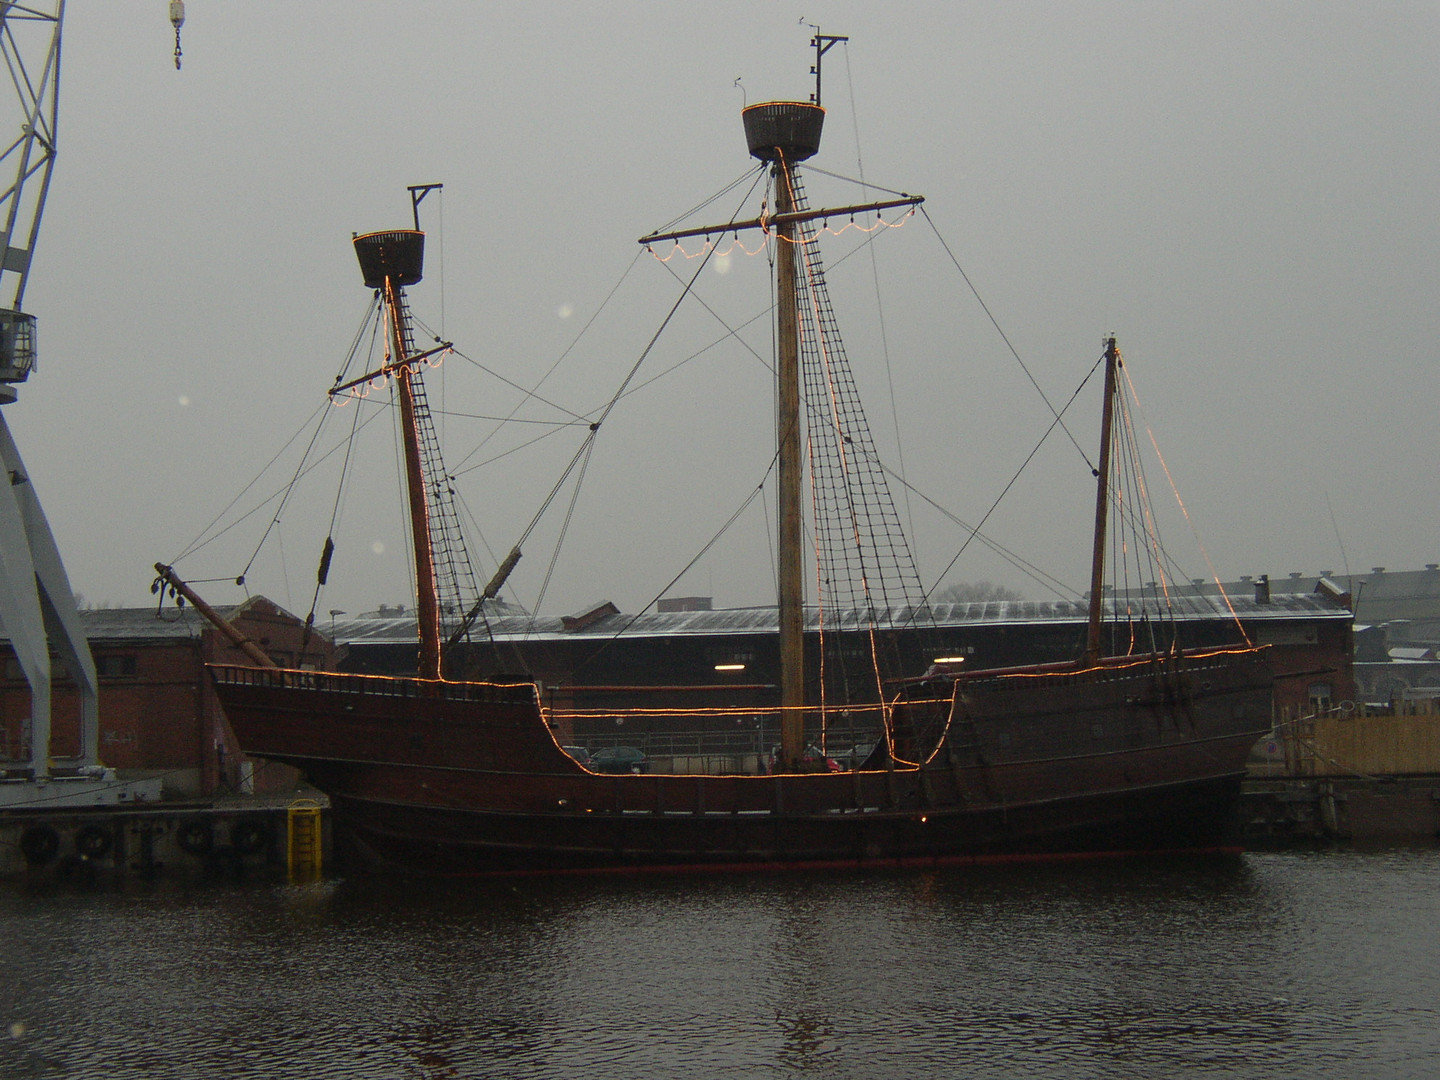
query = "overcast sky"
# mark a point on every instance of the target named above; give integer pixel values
(1245, 193)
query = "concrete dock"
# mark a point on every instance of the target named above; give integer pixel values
(225, 837)
(1399, 809)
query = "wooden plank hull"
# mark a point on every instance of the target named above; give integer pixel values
(467, 778)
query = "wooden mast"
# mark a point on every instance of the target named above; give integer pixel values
(784, 133)
(389, 261)
(1102, 503)
(791, 564)
(167, 576)
(427, 600)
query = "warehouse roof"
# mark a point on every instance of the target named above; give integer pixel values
(400, 629)
(397, 627)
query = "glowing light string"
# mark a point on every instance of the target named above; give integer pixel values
(364, 385)
(1204, 553)
(768, 231)
(854, 515)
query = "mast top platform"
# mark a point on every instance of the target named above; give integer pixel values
(783, 129)
(398, 254)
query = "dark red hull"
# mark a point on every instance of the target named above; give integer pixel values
(467, 778)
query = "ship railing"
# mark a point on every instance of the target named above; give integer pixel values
(1113, 668)
(374, 685)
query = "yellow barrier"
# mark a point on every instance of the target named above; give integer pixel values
(1402, 740)
(304, 849)
(1380, 745)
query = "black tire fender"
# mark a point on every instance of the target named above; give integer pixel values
(39, 844)
(250, 837)
(93, 841)
(195, 837)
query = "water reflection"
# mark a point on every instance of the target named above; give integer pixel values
(1257, 966)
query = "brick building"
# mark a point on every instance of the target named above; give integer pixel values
(158, 715)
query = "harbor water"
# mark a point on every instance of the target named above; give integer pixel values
(1292, 964)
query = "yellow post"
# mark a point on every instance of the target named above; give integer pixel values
(304, 849)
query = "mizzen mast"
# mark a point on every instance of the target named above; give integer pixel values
(1102, 502)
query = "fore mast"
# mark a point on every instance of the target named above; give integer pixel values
(390, 261)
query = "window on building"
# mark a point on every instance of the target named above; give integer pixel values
(1320, 694)
(115, 667)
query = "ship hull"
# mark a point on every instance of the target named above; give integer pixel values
(467, 778)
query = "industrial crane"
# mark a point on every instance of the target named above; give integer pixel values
(37, 605)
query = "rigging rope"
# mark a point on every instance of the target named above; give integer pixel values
(1057, 422)
(203, 538)
(704, 550)
(1184, 510)
(583, 453)
(1029, 569)
(532, 393)
(565, 524)
(879, 303)
(322, 575)
(862, 559)
(1003, 336)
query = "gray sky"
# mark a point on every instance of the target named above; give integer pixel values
(1245, 193)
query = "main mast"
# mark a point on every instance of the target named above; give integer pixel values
(783, 133)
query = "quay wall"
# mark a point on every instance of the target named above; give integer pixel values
(233, 840)
(1376, 810)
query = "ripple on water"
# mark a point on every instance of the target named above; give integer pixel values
(1261, 966)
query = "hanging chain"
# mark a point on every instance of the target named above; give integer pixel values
(177, 19)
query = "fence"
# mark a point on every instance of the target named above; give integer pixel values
(1399, 738)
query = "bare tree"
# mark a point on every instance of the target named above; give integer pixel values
(974, 592)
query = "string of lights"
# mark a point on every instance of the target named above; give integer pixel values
(862, 561)
(767, 232)
(1185, 512)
